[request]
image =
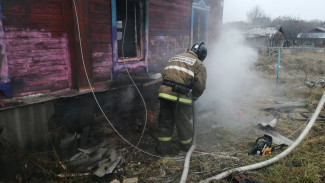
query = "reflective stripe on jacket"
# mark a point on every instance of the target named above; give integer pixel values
(185, 69)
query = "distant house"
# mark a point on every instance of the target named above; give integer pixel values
(313, 38)
(265, 37)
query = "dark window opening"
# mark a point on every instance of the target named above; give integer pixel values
(199, 26)
(134, 28)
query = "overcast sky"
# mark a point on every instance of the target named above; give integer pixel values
(235, 10)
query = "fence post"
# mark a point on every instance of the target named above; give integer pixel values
(278, 69)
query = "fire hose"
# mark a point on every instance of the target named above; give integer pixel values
(278, 157)
(190, 151)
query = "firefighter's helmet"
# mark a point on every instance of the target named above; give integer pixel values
(200, 50)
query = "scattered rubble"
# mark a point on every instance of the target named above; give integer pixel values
(269, 122)
(301, 116)
(98, 160)
(313, 84)
(285, 107)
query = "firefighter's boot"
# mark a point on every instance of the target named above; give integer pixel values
(163, 148)
(185, 147)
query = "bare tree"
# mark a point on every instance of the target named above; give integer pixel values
(256, 16)
(291, 27)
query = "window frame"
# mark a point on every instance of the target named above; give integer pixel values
(201, 5)
(130, 63)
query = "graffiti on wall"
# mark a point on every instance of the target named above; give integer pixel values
(161, 48)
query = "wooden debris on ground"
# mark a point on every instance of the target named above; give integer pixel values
(285, 107)
(269, 122)
(98, 160)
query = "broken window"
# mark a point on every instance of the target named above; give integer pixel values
(130, 27)
(200, 21)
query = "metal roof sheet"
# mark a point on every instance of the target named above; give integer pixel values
(262, 32)
(317, 29)
(311, 35)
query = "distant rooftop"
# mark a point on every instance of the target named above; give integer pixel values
(316, 33)
(263, 32)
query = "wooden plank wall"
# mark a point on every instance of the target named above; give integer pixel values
(37, 45)
(169, 30)
(100, 18)
(215, 20)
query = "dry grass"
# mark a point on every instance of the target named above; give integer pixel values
(222, 147)
(305, 164)
(297, 66)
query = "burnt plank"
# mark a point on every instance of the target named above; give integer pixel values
(36, 53)
(55, 31)
(173, 5)
(157, 15)
(30, 19)
(98, 54)
(32, 6)
(20, 87)
(103, 60)
(101, 28)
(101, 38)
(86, 46)
(69, 26)
(170, 24)
(40, 73)
(99, 8)
(38, 67)
(102, 77)
(16, 47)
(33, 78)
(170, 32)
(36, 41)
(99, 18)
(182, 12)
(102, 71)
(103, 2)
(105, 47)
(23, 33)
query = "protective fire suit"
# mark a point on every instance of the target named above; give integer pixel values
(184, 70)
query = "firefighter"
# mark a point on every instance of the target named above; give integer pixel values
(184, 79)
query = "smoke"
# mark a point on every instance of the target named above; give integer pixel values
(232, 80)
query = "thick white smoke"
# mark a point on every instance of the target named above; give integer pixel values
(231, 76)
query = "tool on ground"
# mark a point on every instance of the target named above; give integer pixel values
(263, 146)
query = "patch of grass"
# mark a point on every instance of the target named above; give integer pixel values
(315, 96)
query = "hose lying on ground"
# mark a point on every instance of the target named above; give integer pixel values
(187, 164)
(278, 157)
(190, 151)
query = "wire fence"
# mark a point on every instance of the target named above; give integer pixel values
(304, 65)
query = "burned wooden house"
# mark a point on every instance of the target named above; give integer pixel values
(312, 38)
(265, 37)
(56, 53)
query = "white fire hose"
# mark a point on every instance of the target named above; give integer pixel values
(278, 157)
(190, 151)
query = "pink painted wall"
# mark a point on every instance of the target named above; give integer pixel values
(36, 46)
(37, 61)
(4, 78)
